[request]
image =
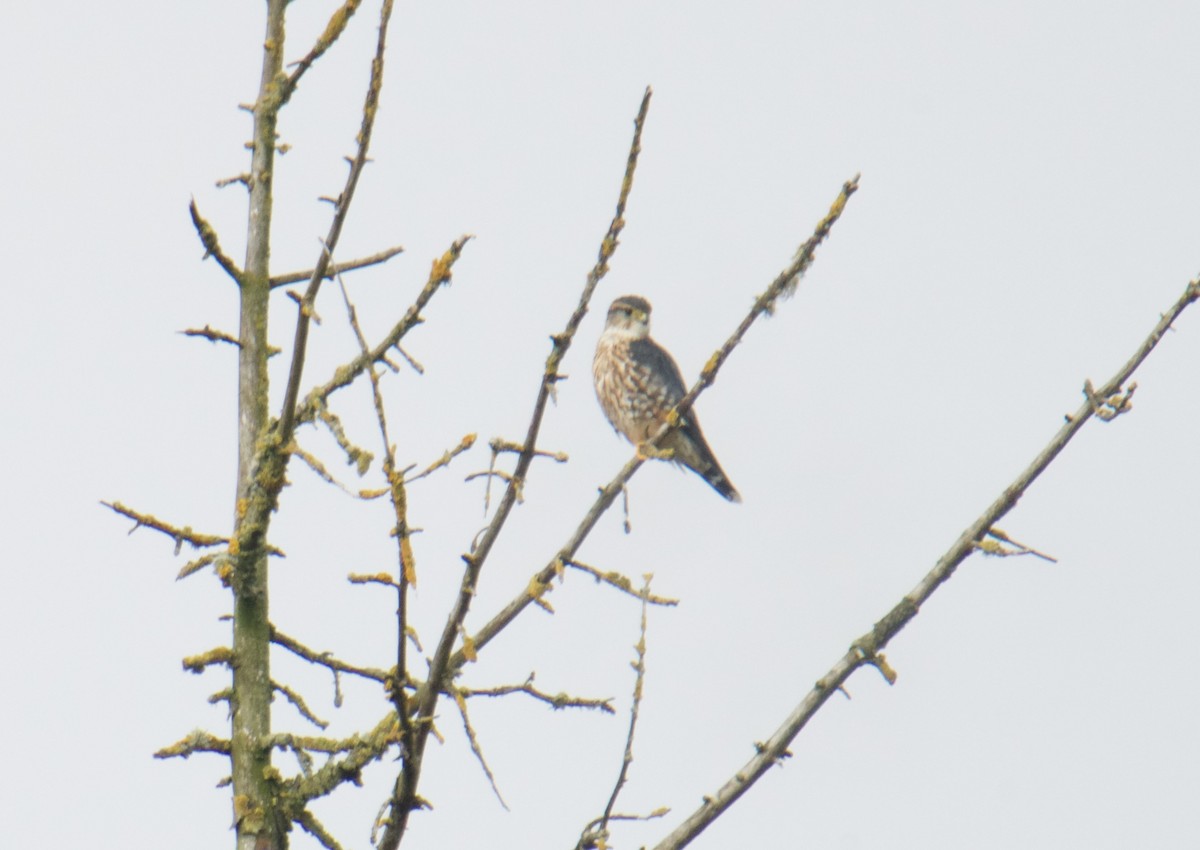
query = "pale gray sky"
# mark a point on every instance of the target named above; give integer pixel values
(1027, 209)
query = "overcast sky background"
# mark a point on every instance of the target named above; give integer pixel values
(1027, 210)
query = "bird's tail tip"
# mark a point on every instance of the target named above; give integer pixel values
(721, 485)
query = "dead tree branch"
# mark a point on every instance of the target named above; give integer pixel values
(336, 269)
(404, 796)
(866, 650)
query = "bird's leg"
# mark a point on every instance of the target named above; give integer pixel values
(645, 451)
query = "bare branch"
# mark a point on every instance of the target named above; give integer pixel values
(621, 583)
(319, 468)
(309, 823)
(439, 276)
(301, 706)
(593, 835)
(360, 458)
(213, 335)
(179, 535)
(324, 659)
(196, 742)
(867, 649)
(287, 418)
(464, 444)
(473, 739)
(540, 582)
(337, 268)
(405, 792)
(590, 830)
(198, 564)
(212, 247)
(555, 701)
(333, 31)
(991, 547)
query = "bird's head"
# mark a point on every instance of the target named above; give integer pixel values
(629, 315)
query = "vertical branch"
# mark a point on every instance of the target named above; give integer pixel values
(287, 417)
(407, 565)
(639, 668)
(256, 821)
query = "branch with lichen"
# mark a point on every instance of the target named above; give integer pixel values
(464, 444)
(196, 742)
(867, 649)
(621, 583)
(556, 701)
(406, 572)
(309, 823)
(287, 418)
(333, 31)
(404, 795)
(440, 275)
(179, 535)
(500, 446)
(212, 246)
(541, 582)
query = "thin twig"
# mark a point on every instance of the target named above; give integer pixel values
(540, 583)
(301, 706)
(867, 649)
(439, 666)
(440, 274)
(337, 268)
(450, 454)
(593, 835)
(555, 701)
(333, 30)
(360, 458)
(325, 659)
(473, 740)
(213, 335)
(406, 573)
(991, 547)
(621, 583)
(287, 417)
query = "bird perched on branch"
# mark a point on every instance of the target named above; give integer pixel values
(637, 383)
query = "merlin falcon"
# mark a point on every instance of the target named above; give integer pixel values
(637, 383)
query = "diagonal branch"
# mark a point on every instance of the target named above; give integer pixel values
(212, 247)
(540, 582)
(404, 798)
(866, 650)
(287, 418)
(333, 31)
(439, 276)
